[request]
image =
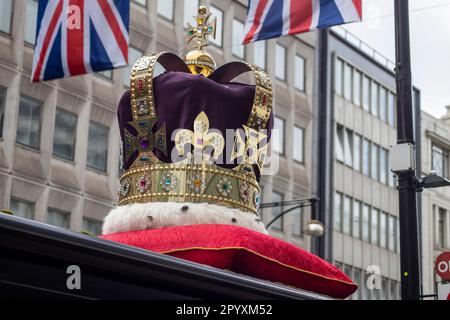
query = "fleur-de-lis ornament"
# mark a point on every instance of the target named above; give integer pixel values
(250, 150)
(200, 138)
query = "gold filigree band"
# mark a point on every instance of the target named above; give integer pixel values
(189, 183)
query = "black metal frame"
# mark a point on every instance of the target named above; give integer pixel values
(34, 258)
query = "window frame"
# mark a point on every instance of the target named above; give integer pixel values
(60, 211)
(41, 104)
(300, 217)
(358, 221)
(299, 129)
(72, 159)
(357, 84)
(89, 219)
(298, 57)
(272, 215)
(140, 4)
(445, 159)
(159, 14)
(347, 218)
(340, 140)
(278, 47)
(218, 25)
(31, 203)
(337, 223)
(107, 148)
(27, 43)
(3, 91)
(11, 16)
(130, 65)
(241, 47)
(339, 87)
(282, 143)
(263, 44)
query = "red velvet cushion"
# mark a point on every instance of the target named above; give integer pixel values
(244, 251)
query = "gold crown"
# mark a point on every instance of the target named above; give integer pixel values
(195, 177)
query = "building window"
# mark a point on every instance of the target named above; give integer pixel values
(365, 222)
(441, 228)
(21, 208)
(141, 2)
(348, 148)
(165, 9)
(384, 289)
(391, 109)
(365, 288)
(219, 26)
(374, 161)
(58, 218)
(92, 226)
(238, 35)
(391, 175)
(356, 218)
(347, 82)
(190, 10)
(391, 233)
(383, 104)
(97, 146)
(357, 87)
(133, 55)
(339, 148)
(366, 93)
(259, 54)
(277, 224)
(393, 290)
(298, 144)
(383, 230)
(5, 16)
(357, 152)
(31, 21)
(28, 126)
(366, 157)
(374, 226)
(439, 158)
(297, 225)
(347, 213)
(2, 109)
(278, 144)
(280, 62)
(338, 71)
(299, 74)
(374, 98)
(64, 135)
(357, 276)
(106, 74)
(338, 211)
(383, 165)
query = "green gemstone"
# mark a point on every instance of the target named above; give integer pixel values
(168, 181)
(225, 186)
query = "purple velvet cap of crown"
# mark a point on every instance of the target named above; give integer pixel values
(180, 97)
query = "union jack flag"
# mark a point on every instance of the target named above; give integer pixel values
(275, 18)
(75, 37)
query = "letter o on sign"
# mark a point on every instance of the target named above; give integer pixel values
(442, 265)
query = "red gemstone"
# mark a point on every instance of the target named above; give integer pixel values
(143, 184)
(140, 84)
(264, 99)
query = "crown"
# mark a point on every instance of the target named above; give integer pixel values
(191, 134)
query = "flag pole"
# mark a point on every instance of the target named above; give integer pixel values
(409, 239)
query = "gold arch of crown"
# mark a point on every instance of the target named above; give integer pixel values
(150, 180)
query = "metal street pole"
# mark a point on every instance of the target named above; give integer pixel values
(409, 240)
